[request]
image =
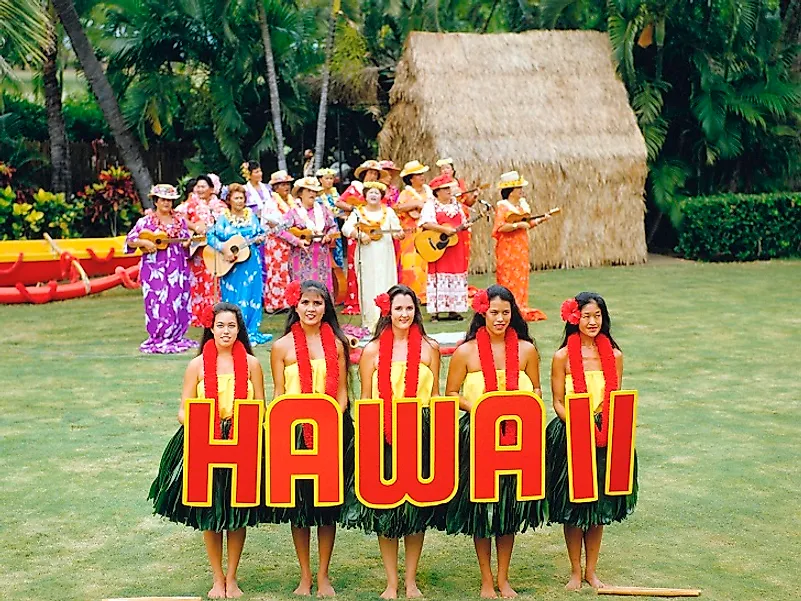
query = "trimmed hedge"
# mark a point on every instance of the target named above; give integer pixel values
(740, 227)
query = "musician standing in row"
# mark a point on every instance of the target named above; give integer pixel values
(310, 256)
(164, 275)
(465, 198)
(512, 224)
(374, 258)
(446, 289)
(242, 285)
(276, 251)
(329, 195)
(411, 199)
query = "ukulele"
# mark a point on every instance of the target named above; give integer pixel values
(431, 245)
(309, 236)
(161, 240)
(520, 217)
(376, 233)
(239, 246)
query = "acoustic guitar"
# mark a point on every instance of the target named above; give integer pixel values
(162, 240)
(239, 246)
(309, 236)
(520, 217)
(432, 245)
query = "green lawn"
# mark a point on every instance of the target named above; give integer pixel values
(713, 350)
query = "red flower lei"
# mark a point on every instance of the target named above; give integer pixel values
(512, 352)
(305, 369)
(609, 367)
(211, 385)
(413, 352)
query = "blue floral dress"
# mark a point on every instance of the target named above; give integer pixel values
(242, 285)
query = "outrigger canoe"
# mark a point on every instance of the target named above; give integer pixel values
(40, 271)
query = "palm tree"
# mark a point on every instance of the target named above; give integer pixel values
(319, 145)
(24, 33)
(128, 145)
(61, 178)
(272, 82)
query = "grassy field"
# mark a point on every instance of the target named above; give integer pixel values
(712, 349)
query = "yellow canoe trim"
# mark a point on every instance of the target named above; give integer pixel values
(40, 250)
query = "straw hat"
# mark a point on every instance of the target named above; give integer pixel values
(446, 161)
(310, 183)
(325, 171)
(441, 181)
(280, 177)
(511, 179)
(388, 165)
(376, 185)
(413, 168)
(367, 165)
(164, 191)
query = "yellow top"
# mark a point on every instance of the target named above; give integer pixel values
(225, 386)
(397, 376)
(292, 377)
(595, 386)
(473, 386)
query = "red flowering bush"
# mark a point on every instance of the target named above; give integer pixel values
(111, 206)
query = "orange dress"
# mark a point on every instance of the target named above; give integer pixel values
(413, 268)
(511, 257)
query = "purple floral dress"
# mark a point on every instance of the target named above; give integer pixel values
(164, 276)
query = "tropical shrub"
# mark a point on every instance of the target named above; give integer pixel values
(740, 227)
(111, 205)
(23, 217)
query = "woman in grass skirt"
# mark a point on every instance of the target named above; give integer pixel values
(588, 361)
(312, 357)
(498, 336)
(225, 370)
(400, 362)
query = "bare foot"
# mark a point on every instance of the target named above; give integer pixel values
(217, 591)
(324, 588)
(412, 592)
(232, 590)
(574, 584)
(488, 591)
(390, 592)
(506, 590)
(304, 587)
(592, 579)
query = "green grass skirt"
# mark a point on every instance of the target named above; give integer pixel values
(485, 520)
(167, 488)
(304, 514)
(605, 510)
(397, 522)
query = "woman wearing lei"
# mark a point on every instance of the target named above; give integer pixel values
(225, 370)
(276, 250)
(312, 357)
(242, 285)
(588, 361)
(310, 259)
(374, 260)
(400, 362)
(413, 268)
(498, 354)
(329, 196)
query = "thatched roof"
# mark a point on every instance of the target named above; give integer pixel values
(547, 103)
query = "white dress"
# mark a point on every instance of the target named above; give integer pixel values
(375, 264)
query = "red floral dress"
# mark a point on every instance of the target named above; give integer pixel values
(446, 285)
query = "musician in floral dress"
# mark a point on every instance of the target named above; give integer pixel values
(310, 259)
(413, 268)
(242, 285)
(446, 288)
(276, 250)
(329, 195)
(164, 275)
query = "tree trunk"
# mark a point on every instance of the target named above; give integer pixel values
(127, 144)
(272, 82)
(319, 145)
(61, 178)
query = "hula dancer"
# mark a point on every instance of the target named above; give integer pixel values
(400, 362)
(225, 370)
(590, 361)
(312, 357)
(498, 354)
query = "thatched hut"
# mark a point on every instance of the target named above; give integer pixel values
(546, 103)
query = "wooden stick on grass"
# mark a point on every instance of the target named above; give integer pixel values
(641, 591)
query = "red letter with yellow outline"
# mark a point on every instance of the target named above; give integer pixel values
(489, 459)
(406, 483)
(203, 454)
(321, 464)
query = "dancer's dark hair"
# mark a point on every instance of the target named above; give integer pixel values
(241, 335)
(189, 187)
(206, 179)
(517, 323)
(329, 316)
(385, 321)
(583, 299)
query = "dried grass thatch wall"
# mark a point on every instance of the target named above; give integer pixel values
(546, 103)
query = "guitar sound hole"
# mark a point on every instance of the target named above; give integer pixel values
(234, 250)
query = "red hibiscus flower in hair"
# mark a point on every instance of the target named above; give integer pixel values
(571, 312)
(382, 302)
(207, 316)
(481, 302)
(292, 293)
